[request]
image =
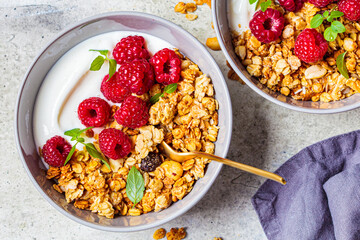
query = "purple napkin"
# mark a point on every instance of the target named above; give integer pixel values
(321, 199)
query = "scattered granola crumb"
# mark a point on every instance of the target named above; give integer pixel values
(217, 238)
(176, 234)
(233, 76)
(186, 8)
(190, 7)
(213, 44)
(191, 17)
(159, 234)
(180, 8)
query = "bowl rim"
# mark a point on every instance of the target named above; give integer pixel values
(228, 120)
(253, 86)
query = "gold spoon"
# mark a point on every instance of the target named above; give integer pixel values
(181, 157)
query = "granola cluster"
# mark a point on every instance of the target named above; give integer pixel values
(186, 119)
(277, 67)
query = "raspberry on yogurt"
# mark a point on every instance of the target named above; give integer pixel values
(113, 90)
(55, 151)
(167, 66)
(137, 76)
(130, 48)
(94, 112)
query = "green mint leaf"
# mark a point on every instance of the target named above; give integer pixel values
(81, 140)
(340, 63)
(95, 153)
(171, 88)
(337, 27)
(102, 52)
(329, 18)
(330, 35)
(135, 186)
(97, 63)
(156, 98)
(73, 133)
(316, 21)
(336, 14)
(326, 14)
(252, 1)
(112, 67)
(265, 5)
(70, 154)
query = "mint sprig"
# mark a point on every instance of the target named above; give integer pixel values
(340, 63)
(330, 34)
(336, 27)
(262, 4)
(75, 135)
(135, 186)
(97, 63)
(168, 89)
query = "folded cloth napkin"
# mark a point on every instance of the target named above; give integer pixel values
(321, 199)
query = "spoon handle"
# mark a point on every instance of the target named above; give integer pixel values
(243, 167)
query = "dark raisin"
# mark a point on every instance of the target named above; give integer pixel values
(150, 162)
(89, 133)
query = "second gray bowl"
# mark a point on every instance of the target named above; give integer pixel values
(221, 25)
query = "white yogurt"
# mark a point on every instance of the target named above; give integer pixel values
(69, 82)
(239, 12)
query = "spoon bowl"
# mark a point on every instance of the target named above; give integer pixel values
(181, 157)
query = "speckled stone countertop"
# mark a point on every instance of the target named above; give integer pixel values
(264, 135)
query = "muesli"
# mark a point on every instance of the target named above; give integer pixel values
(306, 50)
(149, 99)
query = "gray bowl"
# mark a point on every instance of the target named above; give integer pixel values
(117, 21)
(221, 25)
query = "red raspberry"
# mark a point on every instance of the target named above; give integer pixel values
(114, 143)
(321, 3)
(310, 46)
(167, 66)
(55, 151)
(267, 26)
(130, 48)
(292, 5)
(351, 9)
(138, 76)
(113, 90)
(133, 113)
(94, 112)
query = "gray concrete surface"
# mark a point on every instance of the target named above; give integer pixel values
(264, 135)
